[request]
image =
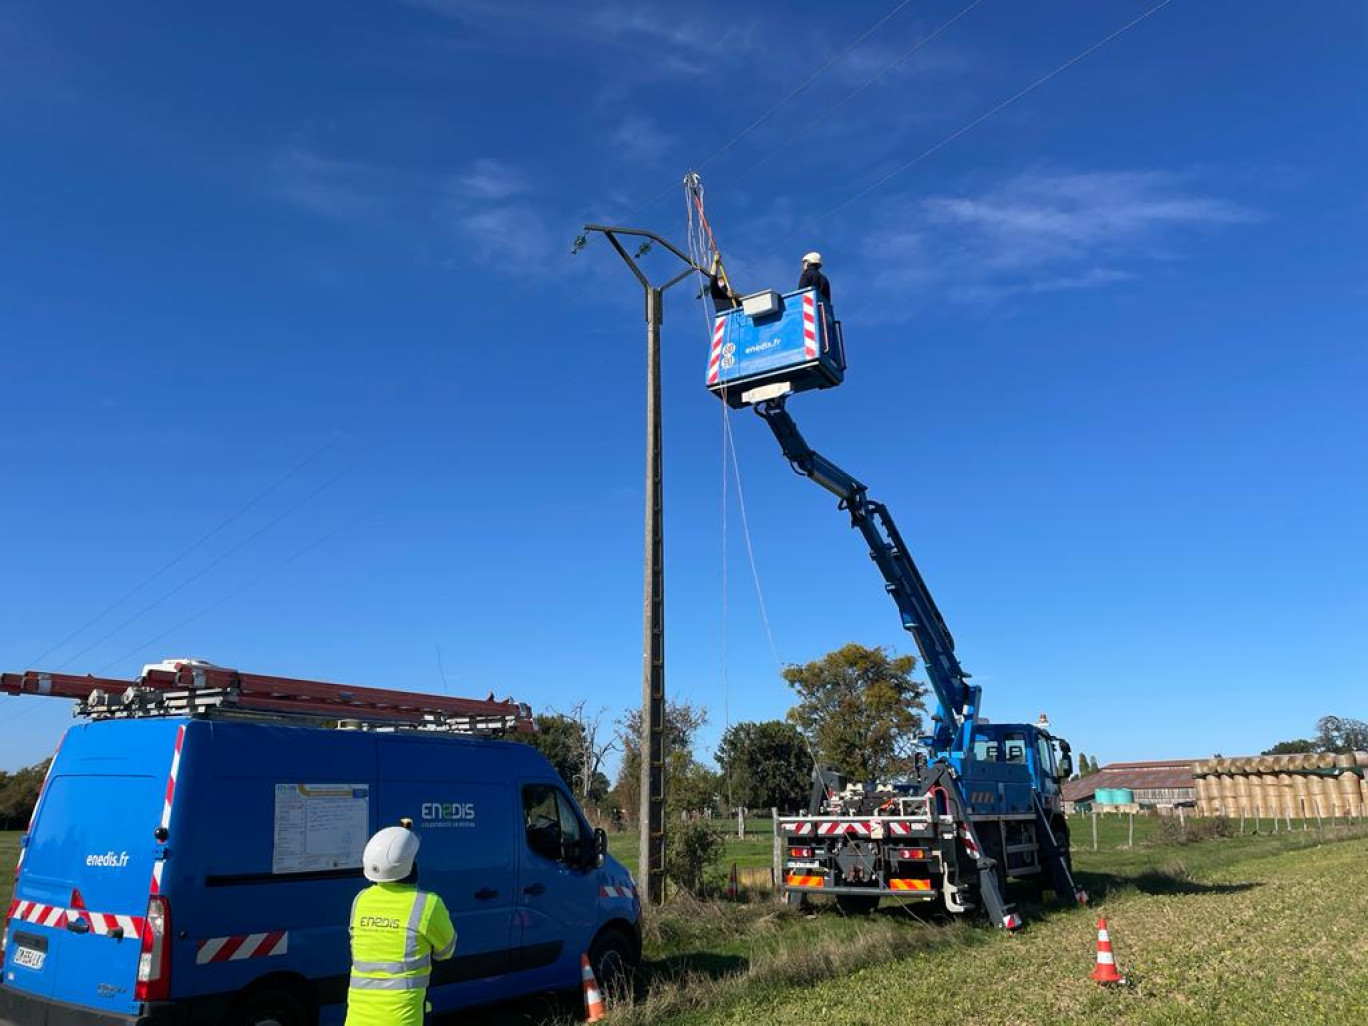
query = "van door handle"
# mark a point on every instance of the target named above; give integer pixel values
(78, 925)
(535, 888)
(486, 894)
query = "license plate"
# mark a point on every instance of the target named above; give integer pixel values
(29, 958)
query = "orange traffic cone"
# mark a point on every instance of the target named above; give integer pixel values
(593, 1000)
(733, 887)
(1105, 971)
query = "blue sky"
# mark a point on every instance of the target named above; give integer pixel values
(1107, 349)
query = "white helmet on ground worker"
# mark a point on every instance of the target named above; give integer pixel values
(390, 854)
(814, 258)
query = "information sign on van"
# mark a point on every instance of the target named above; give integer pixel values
(320, 826)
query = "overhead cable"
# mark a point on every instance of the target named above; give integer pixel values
(871, 80)
(190, 548)
(774, 108)
(880, 183)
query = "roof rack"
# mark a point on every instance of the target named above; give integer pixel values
(191, 688)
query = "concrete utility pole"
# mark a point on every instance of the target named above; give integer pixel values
(652, 818)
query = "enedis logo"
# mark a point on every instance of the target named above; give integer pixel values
(378, 922)
(108, 859)
(448, 814)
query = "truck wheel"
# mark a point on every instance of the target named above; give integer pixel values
(269, 1007)
(857, 904)
(611, 956)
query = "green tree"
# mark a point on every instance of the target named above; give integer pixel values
(765, 765)
(19, 794)
(1334, 734)
(861, 708)
(682, 722)
(561, 740)
(1339, 734)
(574, 744)
(1299, 746)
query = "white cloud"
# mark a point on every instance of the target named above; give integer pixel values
(640, 139)
(490, 179)
(353, 192)
(1038, 232)
(490, 211)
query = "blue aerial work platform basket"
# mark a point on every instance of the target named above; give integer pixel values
(773, 345)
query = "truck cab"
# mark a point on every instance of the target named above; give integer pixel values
(1011, 761)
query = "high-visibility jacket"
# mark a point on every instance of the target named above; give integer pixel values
(396, 932)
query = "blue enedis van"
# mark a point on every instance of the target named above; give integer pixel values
(202, 871)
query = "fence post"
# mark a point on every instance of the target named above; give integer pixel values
(777, 868)
(1182, 823)
(1130, 832)
(1094, 819)
(741, 824)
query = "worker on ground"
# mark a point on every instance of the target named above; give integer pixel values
(396, 932)
(813, 278)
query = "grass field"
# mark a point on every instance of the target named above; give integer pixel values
(1255, 929)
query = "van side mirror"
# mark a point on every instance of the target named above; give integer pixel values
(592, 850)
(1066, 766)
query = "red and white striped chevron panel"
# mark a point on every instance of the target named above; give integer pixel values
(38, 914)
(617, 891)
(159, 865)
(242, 946)
(809, 326)
(101, 924)
(715, 357)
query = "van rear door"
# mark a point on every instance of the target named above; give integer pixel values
(83, 887)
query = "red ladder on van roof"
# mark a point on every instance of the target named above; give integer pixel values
(191, 688)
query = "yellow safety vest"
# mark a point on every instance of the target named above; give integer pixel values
(396, 932)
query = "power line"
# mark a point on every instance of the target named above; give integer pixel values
(225, 555)
(773, 109)
(299, 553)
(821, 118)
(995, 110)
(190, 548)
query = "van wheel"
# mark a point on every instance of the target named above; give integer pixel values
(613, 962)
(269, 1007)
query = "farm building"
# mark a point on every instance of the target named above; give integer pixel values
(1162, 783)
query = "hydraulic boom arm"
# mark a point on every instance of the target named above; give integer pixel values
(958, 699)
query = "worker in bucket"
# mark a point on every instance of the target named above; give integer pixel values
(813, 278)
(396, 932)
(719, 288)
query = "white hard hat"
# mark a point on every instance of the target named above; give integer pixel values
(389, 854)
(813, 258)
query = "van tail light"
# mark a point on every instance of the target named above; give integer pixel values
(800, 853)
(911, 853)
(154, 963)
(4, 941)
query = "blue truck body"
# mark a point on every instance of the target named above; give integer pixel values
(251, 834)
(797, 342)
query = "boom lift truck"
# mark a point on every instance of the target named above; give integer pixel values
(984, 802)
